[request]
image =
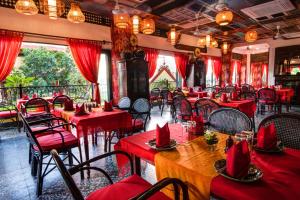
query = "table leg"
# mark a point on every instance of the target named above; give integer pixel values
(86, 150)
(137, 165)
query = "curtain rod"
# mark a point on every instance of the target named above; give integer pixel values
(55, 36)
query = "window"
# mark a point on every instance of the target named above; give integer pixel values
(103, 77)
(234, 74)
(165, 74)
(210, 77)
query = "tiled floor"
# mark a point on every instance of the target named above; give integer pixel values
(17, 183)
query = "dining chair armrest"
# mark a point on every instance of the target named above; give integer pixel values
(162, 184)
(80, 166)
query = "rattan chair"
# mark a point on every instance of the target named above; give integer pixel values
(183, 109)
(140, 112)
(204, 107)
(124, 103)
(248, 96)
(230, 89)
(155, 98)
(60, 100)
(266, 97)
(134, 187)
(167, 99)
(59, 137)
(287, 127)
(36, 106)
(229, 121)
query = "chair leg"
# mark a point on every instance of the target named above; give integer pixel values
(40, 176)
(34, 164)
(70, 157)
(30, 154)
(162, 109)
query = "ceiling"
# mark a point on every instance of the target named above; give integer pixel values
(265, 16)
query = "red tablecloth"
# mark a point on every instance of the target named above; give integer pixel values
(20, 102)
(280, 181)
(107, 121)
(285, 94)
(137, 146)
(246, 106)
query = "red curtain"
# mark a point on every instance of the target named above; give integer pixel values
(87, 58)
(265, 69)
(151, 58)
(217, 68)
(181, 61)
(10, 44)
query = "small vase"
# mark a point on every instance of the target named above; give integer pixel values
(212, 147)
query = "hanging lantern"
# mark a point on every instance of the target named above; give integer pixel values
(201, 42)
(225, 47)
(214, 43)
(26, 7)
(224, 17)
(52, 8)
(121, 20)
(207, 40)
(173, 36)
(251, 36)
(75, 14)
(135, 24)
(148, 26)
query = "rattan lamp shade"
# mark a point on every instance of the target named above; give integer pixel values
(148, 26)
(224, 17)
(251, 36)
(26, 7)
(121, 20)
(201, 42)
(136, 21)
(75, 14)
(52, 8)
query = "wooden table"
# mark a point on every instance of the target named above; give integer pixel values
(136, 144)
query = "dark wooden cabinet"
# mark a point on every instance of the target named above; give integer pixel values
(133, 78)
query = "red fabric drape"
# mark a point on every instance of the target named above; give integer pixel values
(181, 61)
(256, 75)
(151, 56)
(10, 44)
(217, 68)
(86, 55)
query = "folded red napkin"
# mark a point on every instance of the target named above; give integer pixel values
(162, 136)
(80, 110)
(213, 95)
(60, 93)
(223, 97)
(54, 94)
(34, 95)
(234, 95)
(238, 160)
(108, 106)
(199, 89)
(267, 137)
(191, 90)
(199, 129)
(25, 97)
(68, 105)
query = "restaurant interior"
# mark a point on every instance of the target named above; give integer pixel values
(149, 99)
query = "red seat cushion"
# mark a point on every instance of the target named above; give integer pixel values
(8, 114)
(137, 124)
(49, 140)
(124, 190)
